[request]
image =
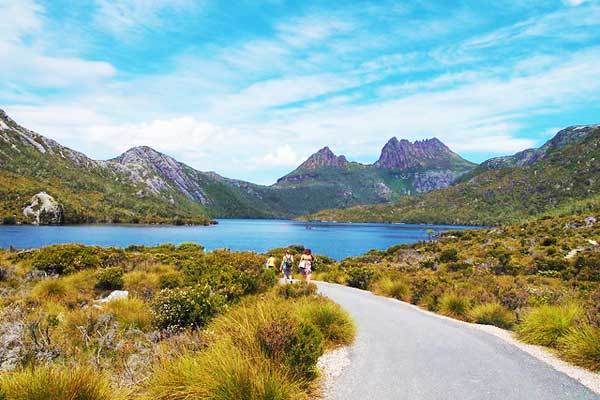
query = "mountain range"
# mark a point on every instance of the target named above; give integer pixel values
(561, 176)
(144, 185)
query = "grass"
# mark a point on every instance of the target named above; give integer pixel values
(581, 346)
(454, 305)
(394, 288)
(545, 325)
(334, 323)
(492, 314)
(263, 348)
(57, 383)
(297, 289)
(131, 313)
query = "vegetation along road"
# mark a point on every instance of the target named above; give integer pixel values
(404, 353)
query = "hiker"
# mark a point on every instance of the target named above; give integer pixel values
(271, 263)
(306, 263)
(286, 266)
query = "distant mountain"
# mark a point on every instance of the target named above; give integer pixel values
(404, 168)
(560, 174)
(145, 185)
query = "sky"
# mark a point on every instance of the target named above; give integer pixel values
(250, 88)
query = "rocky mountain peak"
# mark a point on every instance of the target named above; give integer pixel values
(403, 154)
(324, 158)
(143, 155)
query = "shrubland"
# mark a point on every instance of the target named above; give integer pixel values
(195, 324)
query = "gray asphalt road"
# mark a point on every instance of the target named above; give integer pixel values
(402, 353)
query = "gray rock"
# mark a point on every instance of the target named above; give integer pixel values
(44, 210)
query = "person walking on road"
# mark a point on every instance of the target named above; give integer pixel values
(286, 266)
(306, 264)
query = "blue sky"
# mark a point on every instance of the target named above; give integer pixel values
(251, 88)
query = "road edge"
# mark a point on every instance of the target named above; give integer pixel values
(587, 378)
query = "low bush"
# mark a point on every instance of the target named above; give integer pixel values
(546, 324)
(454, 305)
(492, 314)
(57, 383)
(67, 258)
(360, 277)
(170, 280)
(297, 344)
(110, 279)
(297, 289)
(182, 308)
(581, 346)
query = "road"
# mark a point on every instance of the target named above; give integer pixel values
(403, 353)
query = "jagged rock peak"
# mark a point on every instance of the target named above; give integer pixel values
(138, 154)
(324, 158)
(403, 154)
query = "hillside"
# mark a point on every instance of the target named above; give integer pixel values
(501, 190)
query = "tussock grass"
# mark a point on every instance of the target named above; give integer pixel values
(131, 313)
(492, 314)
(581, 346)
(454, 305)
(545, 325)
(297, 289)
(57, 383)
(394, 288)
(335, 324)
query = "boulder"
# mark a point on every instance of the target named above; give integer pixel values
(44, 209)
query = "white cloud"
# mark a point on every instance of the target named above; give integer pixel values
(19, 17)
(123, 17)
(282, 156)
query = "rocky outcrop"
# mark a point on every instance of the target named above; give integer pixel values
(430, 180)
(324, 158)
(44, 210)
(402, 154)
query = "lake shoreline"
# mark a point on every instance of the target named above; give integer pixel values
(335, 240)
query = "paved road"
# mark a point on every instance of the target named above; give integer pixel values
(402, 353)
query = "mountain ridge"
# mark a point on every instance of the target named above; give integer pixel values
(560, 174)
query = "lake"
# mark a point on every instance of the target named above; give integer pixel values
(335, 240)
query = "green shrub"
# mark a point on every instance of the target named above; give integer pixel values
(454, 305)
(545, 324)
(492, 314)
(299, 345)
(448, 255)
(9, 220)
(66, 258)
(57, 383)
(181, 308)
(581, 346)
(333, 322)
(170, 280)
(306, 346)
(110, 279)
(297, 289)
(360, 277)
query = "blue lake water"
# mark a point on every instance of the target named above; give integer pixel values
(332, 239)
